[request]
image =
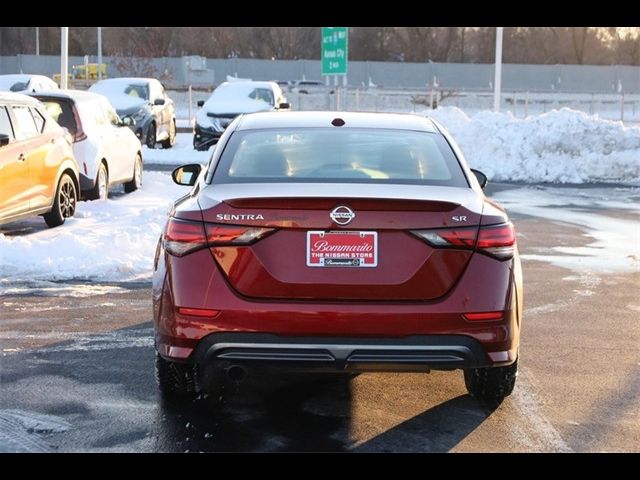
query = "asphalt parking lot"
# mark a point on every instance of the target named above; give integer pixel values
(76, 374)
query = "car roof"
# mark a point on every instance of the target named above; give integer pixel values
(315, 119)
(129, 80)
(23, 76)
(10, 97)
(77, 95)
(253, 83)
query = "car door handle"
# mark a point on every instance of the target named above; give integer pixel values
(21, 157)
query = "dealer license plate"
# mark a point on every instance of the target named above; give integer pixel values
(342, 249)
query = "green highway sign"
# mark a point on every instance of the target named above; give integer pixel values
(334, 50)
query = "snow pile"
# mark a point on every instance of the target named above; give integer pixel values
(180, 154)
(564, 146)
(20, 428)
(112, 240)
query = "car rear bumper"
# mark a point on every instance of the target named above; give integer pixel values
(412, 353)
(429, 335)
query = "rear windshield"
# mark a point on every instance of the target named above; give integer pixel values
(339, 155)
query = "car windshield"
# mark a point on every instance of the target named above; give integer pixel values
(240, 92)
(331, 155)
(135, 90)
(19, 86)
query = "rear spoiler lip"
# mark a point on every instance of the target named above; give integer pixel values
(361, 204)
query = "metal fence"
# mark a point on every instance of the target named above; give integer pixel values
(178, 72)
(612, 106)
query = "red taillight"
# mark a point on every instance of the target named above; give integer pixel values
(496, 240)
(198, 312)
(483, 316)
(234, 234)
(79, 135)
(186, 236)
(183, 236)
(461, 237)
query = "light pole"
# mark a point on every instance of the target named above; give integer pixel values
(38, 41)
(64, 56)
(498, 71)
(99, 53)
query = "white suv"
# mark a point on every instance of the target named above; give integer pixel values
(107, 152)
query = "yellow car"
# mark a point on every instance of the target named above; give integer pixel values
(38, 172)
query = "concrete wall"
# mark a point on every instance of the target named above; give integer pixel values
(454, 76)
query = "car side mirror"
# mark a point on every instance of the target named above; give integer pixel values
(127, 122)
(4, 139)
(187, 174)
(481, 177)
(200, 103)
(158, 101)
(284, 106)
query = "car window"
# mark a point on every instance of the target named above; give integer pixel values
(110, 113)
(264, 94)
(62, 112)
(5, 123)
(330, 155)
(27, 127)
(137, 91)
(38, 118)
(154, 91)
(91, 113)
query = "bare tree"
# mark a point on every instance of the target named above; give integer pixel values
(579, 38)
(547, 45)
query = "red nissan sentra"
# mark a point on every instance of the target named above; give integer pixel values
(336, 241)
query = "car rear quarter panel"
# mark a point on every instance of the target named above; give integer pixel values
(51, 155)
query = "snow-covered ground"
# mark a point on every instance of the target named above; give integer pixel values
(112, 240)
(181, 153)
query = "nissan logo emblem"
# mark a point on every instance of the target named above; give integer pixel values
(342, 215)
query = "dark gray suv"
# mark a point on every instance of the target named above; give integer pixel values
(147, 103)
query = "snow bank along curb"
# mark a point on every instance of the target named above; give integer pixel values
(563, 146)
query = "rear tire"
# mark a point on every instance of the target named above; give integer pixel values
(174, 379)
(493, 383)
(100, 190)
(136, 182)
(64, 204)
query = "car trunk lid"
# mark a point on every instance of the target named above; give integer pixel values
(310, 255)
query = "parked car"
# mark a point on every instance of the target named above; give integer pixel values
(309, 86)
(229, 100)
(146, 102)
(336, 242)
(107, 152)
(23, 83)
(38, 173)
